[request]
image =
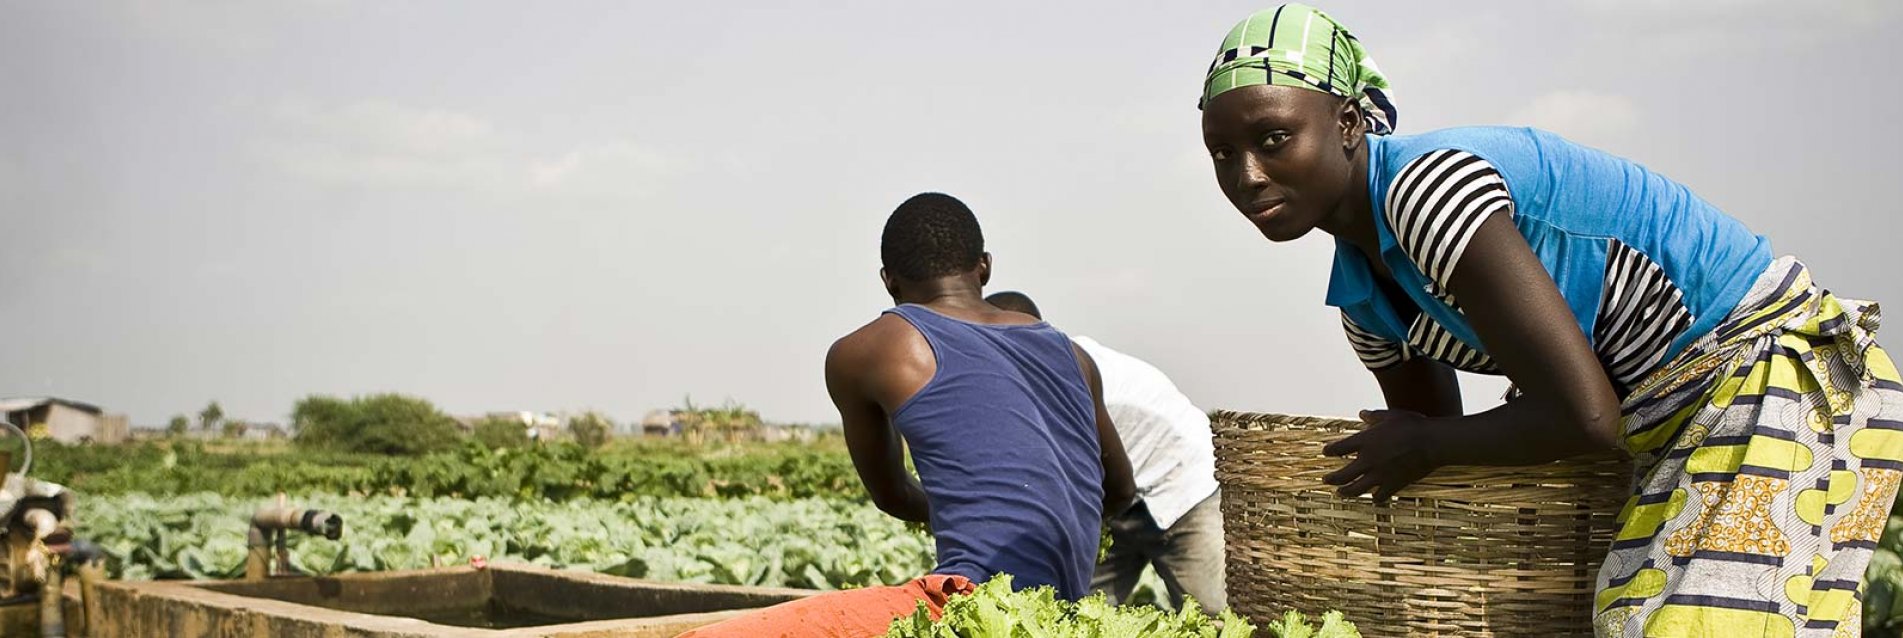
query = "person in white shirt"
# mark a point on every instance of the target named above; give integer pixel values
(1176, 524)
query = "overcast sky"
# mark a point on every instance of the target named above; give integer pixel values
(563, 206)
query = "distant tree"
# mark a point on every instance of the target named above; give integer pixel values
(379, 424)
(209, 417)
(235, 429)
(502, 432)
(591, 429)
(320, 420)
(178, 426)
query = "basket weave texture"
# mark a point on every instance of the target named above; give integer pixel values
(1467, 551)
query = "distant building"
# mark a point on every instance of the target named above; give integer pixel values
(541, 426)
(264, 431)
(775, 433)
(661, 423)
(65, 420)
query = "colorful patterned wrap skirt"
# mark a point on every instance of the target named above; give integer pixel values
(1768, 456)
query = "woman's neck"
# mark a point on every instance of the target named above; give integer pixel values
(1353, 219)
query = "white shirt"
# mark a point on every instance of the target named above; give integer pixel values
(1166, 437)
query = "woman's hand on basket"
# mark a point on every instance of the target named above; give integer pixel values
(1392, 453)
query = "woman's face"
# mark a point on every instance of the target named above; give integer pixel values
(1283, 155)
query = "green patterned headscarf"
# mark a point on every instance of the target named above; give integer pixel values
(1298, 45)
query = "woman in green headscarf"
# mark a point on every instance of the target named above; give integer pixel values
(1766, 423)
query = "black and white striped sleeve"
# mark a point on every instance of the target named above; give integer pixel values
(1435, 204)
(1375, 352)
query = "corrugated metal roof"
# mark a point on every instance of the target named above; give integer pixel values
(17, 404)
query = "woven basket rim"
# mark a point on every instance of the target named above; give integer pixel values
(1328, 424)
(1248, 443)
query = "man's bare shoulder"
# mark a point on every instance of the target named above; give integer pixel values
(888, 339)
(869, 338)
(886, 353)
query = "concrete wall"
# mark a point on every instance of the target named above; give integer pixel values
(23, 619)
(590, 596)
(113, 429)
(68, 425)
(288, 608)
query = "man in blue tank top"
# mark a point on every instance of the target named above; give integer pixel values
(1018, 463)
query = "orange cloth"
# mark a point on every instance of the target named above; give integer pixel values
(853, 613)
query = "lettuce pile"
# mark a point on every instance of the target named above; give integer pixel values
(994, 611)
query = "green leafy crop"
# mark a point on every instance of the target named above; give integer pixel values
(553, 471)
(1294, 625)
(995, 611)
(1883, 598)
(805, 543)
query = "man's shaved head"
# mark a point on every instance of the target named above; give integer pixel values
(931, 235)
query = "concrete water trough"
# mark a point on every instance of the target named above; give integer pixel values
(499, 601)
(22, 618)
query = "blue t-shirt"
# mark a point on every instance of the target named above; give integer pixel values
(1645, 265)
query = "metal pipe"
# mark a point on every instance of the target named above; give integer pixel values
(257, 561)
(89, 564)
(52, 606)
(268, 526)
(83, 553)
(284, 555)
(90, 575)
(322, 523)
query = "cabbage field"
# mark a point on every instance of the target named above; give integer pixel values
(808, 543)
(790, 515)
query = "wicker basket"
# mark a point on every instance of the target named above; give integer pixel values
(1468, 551)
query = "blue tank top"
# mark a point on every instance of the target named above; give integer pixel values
(1575, 206)
(1005, 441)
